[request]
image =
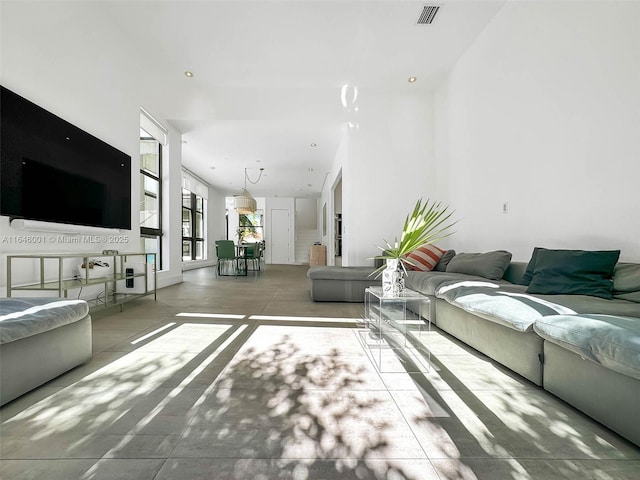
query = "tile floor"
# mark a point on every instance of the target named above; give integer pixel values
(246, 378)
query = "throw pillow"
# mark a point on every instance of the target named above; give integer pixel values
(489, 265)
(424, 258)
(528, 274)
(441, 266)
(574, 272)
(626, 277)
(626, 282)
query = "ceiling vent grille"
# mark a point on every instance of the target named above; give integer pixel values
(428, 14)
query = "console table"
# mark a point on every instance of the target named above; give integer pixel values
(396, 329)
(127, 276)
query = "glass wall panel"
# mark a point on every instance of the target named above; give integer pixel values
(186, 250)
(251, 228)
(151, 195)
(193, 226)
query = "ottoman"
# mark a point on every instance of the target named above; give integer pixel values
(340, 284)
(40, 338)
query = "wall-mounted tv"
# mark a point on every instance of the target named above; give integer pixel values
(52, 171)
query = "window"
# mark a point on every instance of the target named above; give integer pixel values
(193, 231)
(151, 195)
(251, 228)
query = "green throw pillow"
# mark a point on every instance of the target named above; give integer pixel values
(528, 274)
(574, 272)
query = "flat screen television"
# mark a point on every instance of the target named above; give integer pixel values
(52, 171)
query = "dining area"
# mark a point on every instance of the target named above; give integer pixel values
(238, 259)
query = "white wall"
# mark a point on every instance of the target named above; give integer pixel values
(306, 224)
(388, 168)
(171, 210)
(543, 112)
(216, 218)
(334, 176)
(96, 84)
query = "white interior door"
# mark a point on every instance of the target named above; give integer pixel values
(279, 236)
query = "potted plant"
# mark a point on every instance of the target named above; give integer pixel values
(427, 223)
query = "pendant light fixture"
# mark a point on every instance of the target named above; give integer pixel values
(245, 203)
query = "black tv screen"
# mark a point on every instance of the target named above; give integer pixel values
(53, 171)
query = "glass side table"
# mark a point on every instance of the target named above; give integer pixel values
(396, 329)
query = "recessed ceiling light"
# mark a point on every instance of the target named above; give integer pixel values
(314, 144)
(308, 184)
(310, 169)
(184, 141)
(258, 161)
(412, 79)
(212, 167)
(188, 73)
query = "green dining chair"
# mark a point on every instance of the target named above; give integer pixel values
(252, 253)
(226, 253)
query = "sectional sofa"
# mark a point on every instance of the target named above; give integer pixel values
(573, 331)
(583, 348)
(40, 338)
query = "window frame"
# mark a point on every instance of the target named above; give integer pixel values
(247, 228)
(194, 239)
(149, 232)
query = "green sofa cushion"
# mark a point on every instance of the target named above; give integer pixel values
(528, 274)
(575, 272)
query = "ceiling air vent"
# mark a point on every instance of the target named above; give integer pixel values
(428, 14)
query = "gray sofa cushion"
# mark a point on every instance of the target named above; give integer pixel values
(508, 306)
(626, 282)
(628, 296)
(24, 317)
(491, 265)
(515, 272)
(612, 341)
(446, 257)
(589, 304)
(427, 283)
(322, 272)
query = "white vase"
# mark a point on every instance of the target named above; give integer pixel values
(392, 279)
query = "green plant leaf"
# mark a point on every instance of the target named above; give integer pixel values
(427, 223)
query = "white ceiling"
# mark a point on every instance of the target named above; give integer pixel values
(268, 75)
